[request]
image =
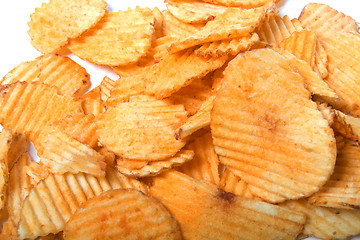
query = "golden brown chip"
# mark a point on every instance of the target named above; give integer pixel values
(242, 3)
(5, 143)
(165, 77)
(153, 168)
(36, 172)
(325, 20)
(19, 145)
(327, 223)
(258, 124)
(321, 60)
(119, 38)
(54, 70)
(205, 211)
(234, 184)
(142, 128)
(205, 163)
(51, 203)
(346, 125)
(55, 22)
(91, 102)
(27, 107)
(177, 28)
(122, 214)
(106, 85)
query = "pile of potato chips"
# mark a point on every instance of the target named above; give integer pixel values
(227, 121)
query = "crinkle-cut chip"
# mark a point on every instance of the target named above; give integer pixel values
(276, 29)
(242, 3)
(235, 185)
(342, 189)
(199, 120)
(302, 44)
(125, 88)
(325, 20)
(312, 80)
(156, 167)
(5, 144)
(106, 85)
(109, 156)
(327, 112)
(327, 223)
(346, 125)
(142, 128)
(91, 102)
(161, 45)
(158, 23)
(130, 164)
(27, 107)
(134, 68)
(79, 126)
(122, 214)
(193, 11)
(193, 95)
(61, 72)
(36, 172)
(62, 153)
(205, 211)
(321, 60)
(227, 47)
(205, 163)
(344, 69)
(165, 77)
(234, 23)
(258, 123)
(9, 230)
(119, 38)
(177, 28)
(19, 145)
(51, 203)
(55, 22)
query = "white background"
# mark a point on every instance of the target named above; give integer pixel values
(15, 44)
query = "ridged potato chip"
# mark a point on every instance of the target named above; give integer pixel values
(234, 184)
(91, 102)
(258, 123)
(19, 145)
(346, 125)
(106, 85)
(57, 21)
(122, 214)
(36, 172)
(177, 28)
(5, 143)
(52, 202)
(54, 70)
(119, 38)
(242, 3)
(205, 211)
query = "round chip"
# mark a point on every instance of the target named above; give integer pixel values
(122, 214)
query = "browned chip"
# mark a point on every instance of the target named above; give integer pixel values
(106, 85)
(36, 172)
(142, 128)
(258, 124)
(54, 70)
(234, 184)
(91, 102)
(122, 214)
(55, 22)
(206, 212)
(5, 143)
(19, 145)
(119, 38)
(242, 3)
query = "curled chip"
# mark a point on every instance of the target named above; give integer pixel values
(258, 123)
(55, 22)
(122, 214)
(142, 128)
(119, 38)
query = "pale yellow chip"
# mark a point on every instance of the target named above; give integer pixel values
(341, 190)
(62, 153)
(234, 23)
(54, 70)
(52, 202)
(91, 102)
(122, 214)
(166, 78)
(325, 20)
(5, 144)
(205, 211)
(242, 3)
(153, 168)
(258, 123)
(327, 223)
(234, 184)
(205, 163)
(55, 22)
(119, 38)
(28, 107)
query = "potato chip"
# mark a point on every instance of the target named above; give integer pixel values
(203, 211)
(327, 223)
(177, 28)
(142, 128)
(62, 153)
(341, 190)
(106, 85)
(164, 78)
(153, 168)
(36, 172)
(122, 214)
(321, 60)
(325, 20)
(346, 125)
(91, 102)
(19, 145)
(54, 70)
(119, 38)
(235, 185)
(205, 163)
(55, 22)
(51, 203)
(5, 143)
(242, 3)
(233, 23)
(194, 11)
(258, 124)
(27, 107)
